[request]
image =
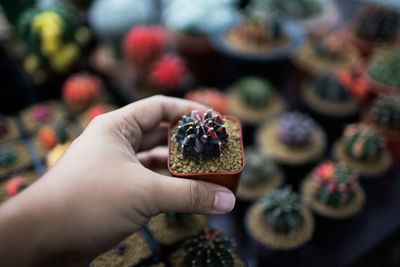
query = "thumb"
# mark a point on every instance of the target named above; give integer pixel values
(192, 196)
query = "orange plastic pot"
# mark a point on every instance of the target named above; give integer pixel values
(227, 179)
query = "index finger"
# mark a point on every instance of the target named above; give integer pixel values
(142, 116)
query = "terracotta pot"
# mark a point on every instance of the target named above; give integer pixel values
(227, 179)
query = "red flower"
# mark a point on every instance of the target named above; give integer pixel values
(169, 72)
(144, 44)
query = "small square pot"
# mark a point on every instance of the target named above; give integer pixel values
(227, 179)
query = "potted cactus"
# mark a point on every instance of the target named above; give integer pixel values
(279, 221)
(384, 114)
(208, 147)
(169, 229)
(377, 25)
(16, 184)
(260, 175)
(362, 148)
(8, 128)
(383, 70)
(211, 97)
(207, 248)
(13, 156)
(132, 250)
(333, 191)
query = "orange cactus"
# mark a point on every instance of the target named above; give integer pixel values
(47, 137)
(16, 185)
(97, 110)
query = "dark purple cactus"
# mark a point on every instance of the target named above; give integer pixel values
(295, 129)
(201, 137)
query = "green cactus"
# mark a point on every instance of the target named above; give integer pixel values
(265, 22)
(177, 219)
(258, 168)
(384, 66)
(327, 86)
(8, 156)
(61, 132)
(208, 248)
(335, 184)
(363, 142)
(282, 210)
(385, 112)
(254, 91)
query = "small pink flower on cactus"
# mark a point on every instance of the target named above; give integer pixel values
(325, 172)
(144, 44)
(168, 73)
(41, 112)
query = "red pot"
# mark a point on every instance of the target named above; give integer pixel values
(227, 179)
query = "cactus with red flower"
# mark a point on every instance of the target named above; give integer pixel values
(16, 185)
(335, 184)
(49, 136)
(144, 44)
(201, 136)
(168, 73)
(208, 248)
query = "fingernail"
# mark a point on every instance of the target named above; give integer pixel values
(224, 201)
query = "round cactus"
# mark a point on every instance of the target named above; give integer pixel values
(144, 44)
(8, 156)
(111, 20)
(41, 112)
(378, 24)
(177, 219)
(168, 73)
(201, 137)
(335, 184)
(384, 66)
(50, 38)
(363, 142)
(50, 136)
(329, 46)
(82, 89)
(295, 129)
(385, 112)
(208, 248)
(282, 210)
(97, 110)
(254, 91)
(258, 168)
(16, 185)
(3, 126)
(212, 98)
(329, 87)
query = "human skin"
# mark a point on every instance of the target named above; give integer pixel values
(102, 190)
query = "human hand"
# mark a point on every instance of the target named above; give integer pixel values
(101, 191)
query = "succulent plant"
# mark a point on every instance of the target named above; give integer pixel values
(354, 81)
(282, 210)
(96, 110)
(329, 87)
(208, 248)
(201, 137)
(82, 89)
(257, 169)
(177, 219)
(16, 185)
(111, 20)
(3, 125)
(41, 112)
(335, 184)
(330, 46)
(8, 156)
(378, 24)
(49, 136)
(385, 112)
(254, 91)
(52, 37)
(144, 44)
(295, 129)
(169, 73)
(211, 97)
(363, 142)
(384, 66)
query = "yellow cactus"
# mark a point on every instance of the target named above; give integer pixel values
(49, 25)
(65, 57)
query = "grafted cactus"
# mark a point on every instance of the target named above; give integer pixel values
(42, 112)
(208, 248)
(282, 210)
(258, 168)
(8, 156)
(362, 142)
(200, 136)
(254, 91)
(385, 112)
(16, 185)
(50, 136)
(295, 129)
(335, 184)
(329, 87)
(329, 46)
(384, 66)
(169, 73)
(177, 219)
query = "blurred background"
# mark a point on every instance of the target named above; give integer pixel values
(314, 83)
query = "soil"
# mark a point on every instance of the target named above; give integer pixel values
(229, 161)
(245, 45)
